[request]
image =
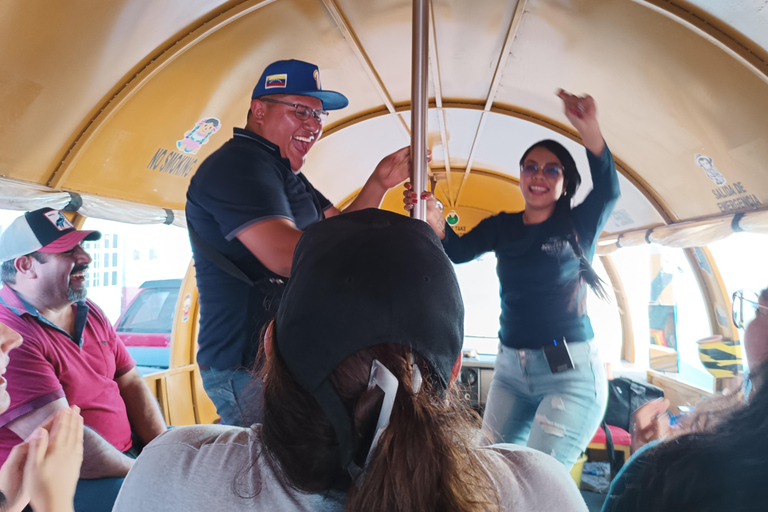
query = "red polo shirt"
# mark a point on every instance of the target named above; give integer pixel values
(51, 364)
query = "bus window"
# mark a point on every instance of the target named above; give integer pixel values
(741, 260)
(141, 279)
(480, 291)
(667, 310)
(605, 318)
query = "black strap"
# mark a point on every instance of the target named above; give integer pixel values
(218, 259)
(612, 456)
(735, 223)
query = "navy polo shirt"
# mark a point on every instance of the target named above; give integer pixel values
(244, 182)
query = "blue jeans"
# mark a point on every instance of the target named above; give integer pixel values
(556, 413)
(97, 495)
(237, 395)
(94, 495)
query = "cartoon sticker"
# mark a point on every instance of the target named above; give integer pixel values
(58, 220)
(708, 165)
(452, 218)
(198, 135)
(186, 308)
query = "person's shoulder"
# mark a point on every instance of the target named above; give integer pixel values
(531, 480)
(11, 318)
(515, 218)
(239, 152)
(95, 312)
(198, 466)
(523, 459)
(25, 325)
(199, 436)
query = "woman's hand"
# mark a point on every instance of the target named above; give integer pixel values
(650, 422)
(53, 463)
(434, 208)
(11, 476)
(581, 111)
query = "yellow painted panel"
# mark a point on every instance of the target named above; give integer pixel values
(60, 62)
(156, 383)
(184, 334)
(205, 411)
(494, 191)
(132, 153)
(664, 95)
(181, 409)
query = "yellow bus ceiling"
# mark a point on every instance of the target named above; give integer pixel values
(95, 95)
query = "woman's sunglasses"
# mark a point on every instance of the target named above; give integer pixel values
(550, 171)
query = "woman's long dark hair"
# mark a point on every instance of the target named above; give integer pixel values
(562, 212)
(722, 468)
(426, 460)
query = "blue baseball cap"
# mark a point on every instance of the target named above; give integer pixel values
(300, 78)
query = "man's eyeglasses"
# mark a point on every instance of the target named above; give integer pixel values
(302, 111)
(743, 302)
(551, 171)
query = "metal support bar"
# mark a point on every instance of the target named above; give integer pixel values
(436, 81)
(419, 75)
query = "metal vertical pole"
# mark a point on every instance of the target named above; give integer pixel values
(419, 61)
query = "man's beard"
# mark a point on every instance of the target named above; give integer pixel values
(76, 295)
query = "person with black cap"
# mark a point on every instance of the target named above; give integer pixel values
(359, 411)
(71, 355)
(247, 206)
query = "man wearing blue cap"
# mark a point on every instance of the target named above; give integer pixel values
(247, 206)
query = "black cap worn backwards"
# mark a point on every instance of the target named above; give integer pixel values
(362, 279)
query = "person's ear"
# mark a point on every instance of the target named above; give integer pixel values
(25, 265)
(258, 109)
(456, 369)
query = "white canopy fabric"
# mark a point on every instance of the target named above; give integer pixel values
(15, 195)
(689, 234)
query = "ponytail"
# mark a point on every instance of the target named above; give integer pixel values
(586, 271)
(427, 458)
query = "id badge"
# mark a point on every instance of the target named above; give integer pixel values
(558, 356)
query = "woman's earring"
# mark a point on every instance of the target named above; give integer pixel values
(565, 193)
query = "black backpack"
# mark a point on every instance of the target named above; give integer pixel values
(625, 396)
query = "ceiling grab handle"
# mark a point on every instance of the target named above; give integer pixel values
(419, 62)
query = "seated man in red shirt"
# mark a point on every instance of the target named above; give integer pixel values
(71, 355)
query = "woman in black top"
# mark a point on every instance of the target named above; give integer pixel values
(539, 395)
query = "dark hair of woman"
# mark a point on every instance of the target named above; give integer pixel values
(722, 468)
(426, 460)
(562, 212)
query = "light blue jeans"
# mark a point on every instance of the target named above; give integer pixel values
(237, 395)
(556, 413)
